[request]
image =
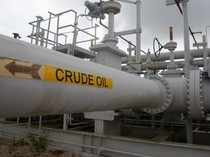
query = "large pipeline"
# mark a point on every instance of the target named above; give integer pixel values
(38, 81)
(25, 93)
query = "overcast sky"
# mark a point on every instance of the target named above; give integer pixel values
(156, 17)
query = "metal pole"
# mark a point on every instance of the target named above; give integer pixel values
(129, 50)
(48, 28)
(187, 64)
(91, 43)
(74, 37)
(186, 37)
(138, 33)
(65, 121)
(57, 31)
(39, 19)
(40, 122)
(189, 131)
(205, 53)
(70, 119)
(42, 38)
(95, 33)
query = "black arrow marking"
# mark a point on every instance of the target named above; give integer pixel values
(33, 70)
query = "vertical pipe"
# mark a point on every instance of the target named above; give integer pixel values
(172, 56)
(111, 25)
(138, 33)
(171, 33)
(186, 37)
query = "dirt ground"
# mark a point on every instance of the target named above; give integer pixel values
(8, 149)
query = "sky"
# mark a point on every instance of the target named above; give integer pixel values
(156, 18)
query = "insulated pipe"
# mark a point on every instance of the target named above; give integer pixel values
(37, 81)
(166, 56)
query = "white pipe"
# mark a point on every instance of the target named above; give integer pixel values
(166, 56)
(22, 95)
(111, 25)
(163, 65)
(128, 32)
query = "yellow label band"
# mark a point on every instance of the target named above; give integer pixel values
(27, 70)
(54, 74)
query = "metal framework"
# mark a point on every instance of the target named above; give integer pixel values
(45, 36)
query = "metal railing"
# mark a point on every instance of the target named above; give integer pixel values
(44, 36)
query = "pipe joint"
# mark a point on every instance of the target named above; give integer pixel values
(168, 98)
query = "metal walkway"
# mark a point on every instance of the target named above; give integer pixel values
(100, 145)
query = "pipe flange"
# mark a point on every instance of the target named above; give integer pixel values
(195, 98)
(168, 100)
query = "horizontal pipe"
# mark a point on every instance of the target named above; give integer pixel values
(127, 1)
(50, 89)
(128, 32)
(39, 81)
(166, 56)
(161, 65)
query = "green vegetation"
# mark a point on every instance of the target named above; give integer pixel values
(37, 143)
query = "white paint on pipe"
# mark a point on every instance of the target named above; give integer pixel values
(36, 97)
